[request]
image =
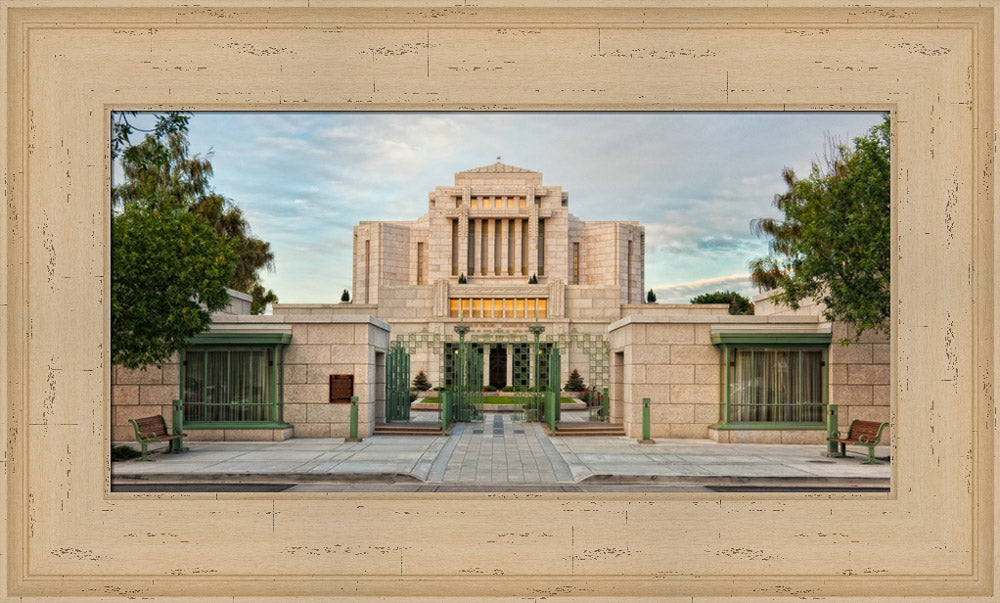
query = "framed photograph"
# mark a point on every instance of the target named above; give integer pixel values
(68, 66)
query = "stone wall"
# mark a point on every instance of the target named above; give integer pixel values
(675, 365)
(334, 345)
(671, 360)
(141, 393)
(321, 345)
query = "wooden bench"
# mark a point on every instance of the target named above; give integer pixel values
(152, 430)
(861, 433)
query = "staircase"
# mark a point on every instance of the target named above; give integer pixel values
(589, 429)
(428, 429)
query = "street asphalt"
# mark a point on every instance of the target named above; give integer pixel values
(499, 454)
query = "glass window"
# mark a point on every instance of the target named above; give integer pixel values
(531, 308)
(229, 385)
(477, 308)
(453, 308)
(508, 308)
(768, 385)
(543, 308)
(519, 310)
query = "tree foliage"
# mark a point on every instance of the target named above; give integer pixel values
(833, 243)
(738, 304)
(420, 382)
(575, 382)
(170, 269)
(161, 173)
(345, 296)
(650, 297)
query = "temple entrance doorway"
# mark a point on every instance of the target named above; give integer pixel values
(498, 366)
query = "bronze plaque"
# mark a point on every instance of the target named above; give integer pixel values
(341, 388)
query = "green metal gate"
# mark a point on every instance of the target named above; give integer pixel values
(467, 379)
(526, 365)
(554, 390)
(397, 386)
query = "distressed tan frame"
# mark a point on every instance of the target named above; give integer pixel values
(67, 66)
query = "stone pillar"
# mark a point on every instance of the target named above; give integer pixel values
(486, 363)
(532, 234)
(517, 246)
(477, 244)
(491, 232)
(510, 363)
(463, 235)
(504, 233)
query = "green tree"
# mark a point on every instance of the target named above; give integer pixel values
(738, 304)
(345, 296)
(169, 270)
(160, 172)
(833, 243)
(575, 382)
(650, 297)
(420, 382)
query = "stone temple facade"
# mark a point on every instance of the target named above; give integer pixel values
(500, 253)
(523, 257)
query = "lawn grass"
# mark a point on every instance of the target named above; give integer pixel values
(497, 400)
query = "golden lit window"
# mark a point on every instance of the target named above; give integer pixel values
(531, 309)
(519, 311)
(543, 308)
(508, 308)
(477, 308)
(453, 310)
(465, 307)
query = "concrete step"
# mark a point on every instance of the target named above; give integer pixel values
(430, 429)
(589, 429)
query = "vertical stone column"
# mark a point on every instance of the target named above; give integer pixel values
(517, 246)
(463, 234)
(509, 348)
(504, 233)
(486, 363)
(532, 233)
(490, 244)
(477, 244)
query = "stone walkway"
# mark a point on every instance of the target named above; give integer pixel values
(498, 453)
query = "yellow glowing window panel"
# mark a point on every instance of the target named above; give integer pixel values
(508, 308)
(531, 309)
(453, 311)
(543, 308)
(465, 307)
(477, 308)
(519, 312)
(497, 203)
(522, 202)
(510, 202)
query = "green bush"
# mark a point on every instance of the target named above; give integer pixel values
(124, 453)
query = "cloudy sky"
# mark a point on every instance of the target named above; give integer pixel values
(695, 180)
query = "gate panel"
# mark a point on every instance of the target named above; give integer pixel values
(397, 385)
(468, 383)
(554, 384)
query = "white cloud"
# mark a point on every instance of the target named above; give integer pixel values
(694, 180)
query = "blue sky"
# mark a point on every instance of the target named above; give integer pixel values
(695, 180)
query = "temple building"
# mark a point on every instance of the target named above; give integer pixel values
(499, 250)
(498, 265)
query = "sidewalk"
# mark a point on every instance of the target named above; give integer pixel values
(501, 454)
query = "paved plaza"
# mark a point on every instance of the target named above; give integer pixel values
(501, 453)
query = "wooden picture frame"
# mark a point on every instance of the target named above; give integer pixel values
(68, 64)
